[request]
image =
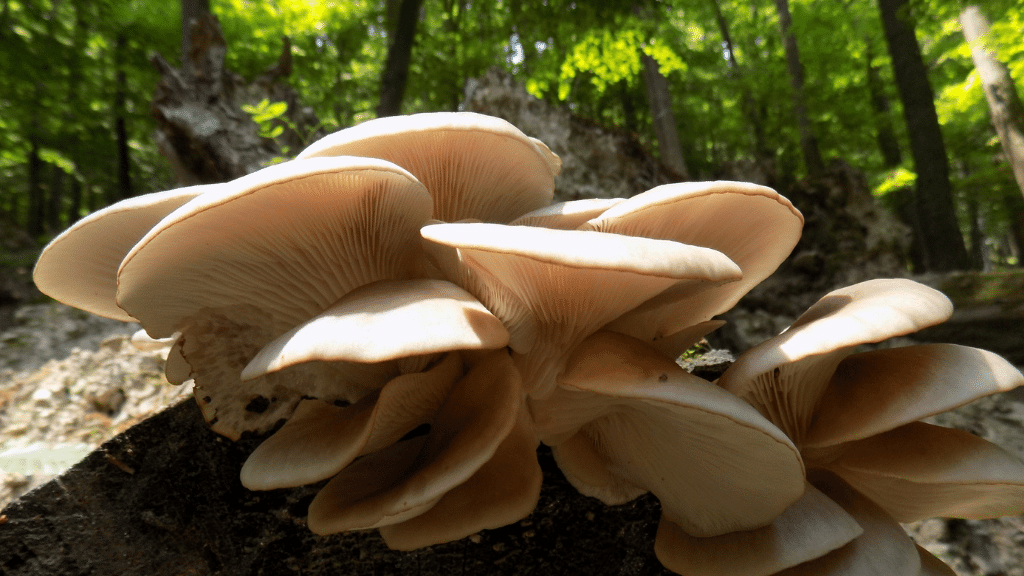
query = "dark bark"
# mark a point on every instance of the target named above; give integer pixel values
(164, 499)
(808, 141)
(396, 67)
(663, 118)
(885, 134)
(55, 200)
(124, 175)
(1004, 103)
(941, 239)
(191, 12)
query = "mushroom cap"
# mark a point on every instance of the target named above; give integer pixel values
(883, 548)
(753, 225)
(474, 166)
(812, 527)
(879, 390)
(289, 240)
(715, 464)
(558, 286)
(920, 471)
(321, 439)
(504, 490)
(567, 215)
(408, 478)
(384, 321)
(79, 267)
(785, 377)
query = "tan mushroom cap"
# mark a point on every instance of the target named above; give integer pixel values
(879, 390)
(289, 240)
(384, 321)
(474, 166)
(408, 478)
(321, 439)
(920, 471)
(570, 282)
(883, 548)
(786, 376)
(79, 267)
(715, 464)
(753, 225)
(567, 215)
(504, 490)
(812, 527)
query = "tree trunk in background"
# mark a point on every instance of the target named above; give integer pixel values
(808, 142)
(124, 178)
(663, 118)
(1000, 91)
(749, 104)
(55, 200)
(941, 240)
(203, 131)
(191, 10)
(36, 202)
(396, 68)
(888, 144)
(1015, 208)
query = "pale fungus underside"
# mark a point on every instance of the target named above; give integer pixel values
(407, 312)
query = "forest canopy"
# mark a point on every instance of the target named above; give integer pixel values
(789, 85)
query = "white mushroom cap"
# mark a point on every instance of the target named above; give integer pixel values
(474, 166)
(567, 215)
(570, 282)
(384, 321)
(715, 464)
(408, 478)
(321, 439)
(786, 377)
(812, 527)
(879, 390)
(920, 471)
(288, 240)
(504, 490)
(753, 225)
(79, 267)
(883, 548)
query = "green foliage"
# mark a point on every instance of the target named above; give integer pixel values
(61, 60)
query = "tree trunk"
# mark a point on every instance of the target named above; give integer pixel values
(1000, 91)
(942, 241)
(808, 142)
(888, 144)
(663, 118)
(749, 104)
(202, 130)
(396, 68)
(124, 178)
(191, 11)
(55, 200)
(36, 202)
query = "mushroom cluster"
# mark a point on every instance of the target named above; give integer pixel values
(401, 311)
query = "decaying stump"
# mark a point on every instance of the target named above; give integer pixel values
(202, 128)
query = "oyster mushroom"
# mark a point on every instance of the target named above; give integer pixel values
(474, 166)
(854, 418)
